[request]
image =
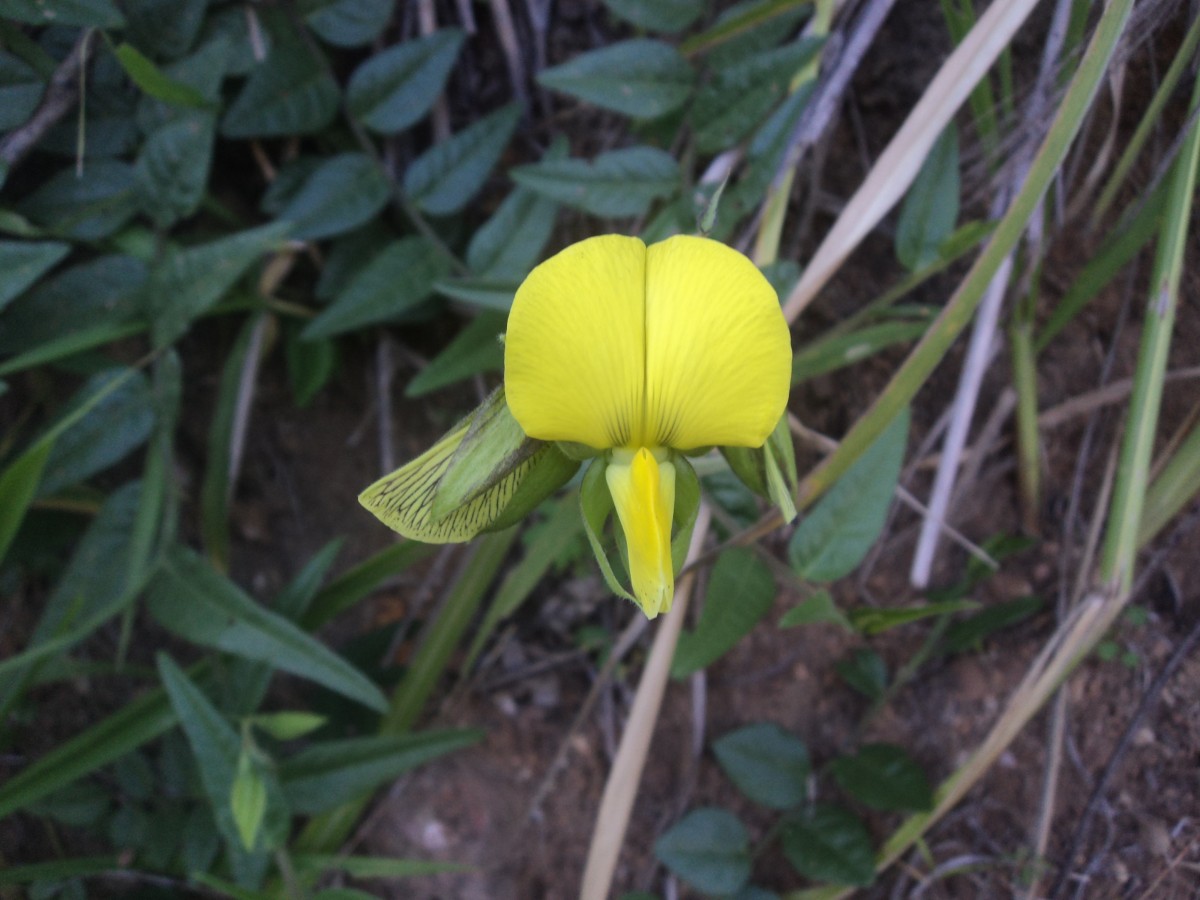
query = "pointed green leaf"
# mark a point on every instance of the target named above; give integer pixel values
(84, 13)
(444, 178)
(596, 505)
(835, 536)
(153, 81)
(24, 262)
(188, 281)
(290, 93)
(347, 23)
(172, 169)
(21, 89)
(398, 278)
(395, 88)
(768, 765)
(509, 243)
(865, 671)
(739, 96)
(709, 849)
(640, 78)
(816, 609)
(884, 777)
(248, 800)
(190, 597)
(829, 844)
(287, 726)
(614, 184)
(329, 773)
(740, 592)
(343, 193)
(930, 208)
(665, 16)
(18, 486)
(872, 620)
(476, 349)
(86, 208)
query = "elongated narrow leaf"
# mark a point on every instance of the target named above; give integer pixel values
(327, 774)
(343, 193)
(639, 77)
(739, 96)
(153, 82)
(930, 208)
(100, 294)
(18, 486)
(475, 349)
(838, 351)
(85, 13)
(352, 586)
(111, 428)
(372, 866)
(291, 92)
(395, 88)
(22, 263)
(666, 16)
(395, 280)
(187, 282)
(835, 536)
(618, 183)
(740, 593)
(446, 176)
(190, 596)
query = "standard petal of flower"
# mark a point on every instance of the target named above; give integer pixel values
(718, 351)
(575, 347)
(643, 492)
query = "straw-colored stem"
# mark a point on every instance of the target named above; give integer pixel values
(621, 788)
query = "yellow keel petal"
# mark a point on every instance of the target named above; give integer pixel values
(643, 492)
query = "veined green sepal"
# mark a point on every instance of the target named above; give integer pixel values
(769, 470)
(478, 477)
(596, 505)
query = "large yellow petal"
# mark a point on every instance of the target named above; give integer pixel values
(575, 347)
(643, 492)
(718, 351)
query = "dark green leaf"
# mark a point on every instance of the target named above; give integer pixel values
(187, 281)
(971, 632)
(397, 279)
(640, 78)
(476, 349)
(666, 16)
(829, 844)
(483, 293)
(203, 73)
(835, 536)
(817, 608)
(768, 765)
(86, 208)
(746, 29)
(310, 365)
(164, 27)
(828, 354)
(395, 88)
(372, 866)
(709, 849)
(739, 96)
(328, 774)
(24, 262)
(290, 93)
(85, 13)
(18, 485)
(348, 23)
(229, 25)
(153, 82)
(446, 176)
(172, 169)
(866, 672)
(21, 90)
(618, 183)
(361, 580)
(111, 429)
(875, 620)
(100, 292)
(884, 777)
(348, 256)
(192, 599)
(343, 193)
(740, 593)
(508, 244)
(930, 208)
(60, 869)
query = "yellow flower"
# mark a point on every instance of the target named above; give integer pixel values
(643, 353)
